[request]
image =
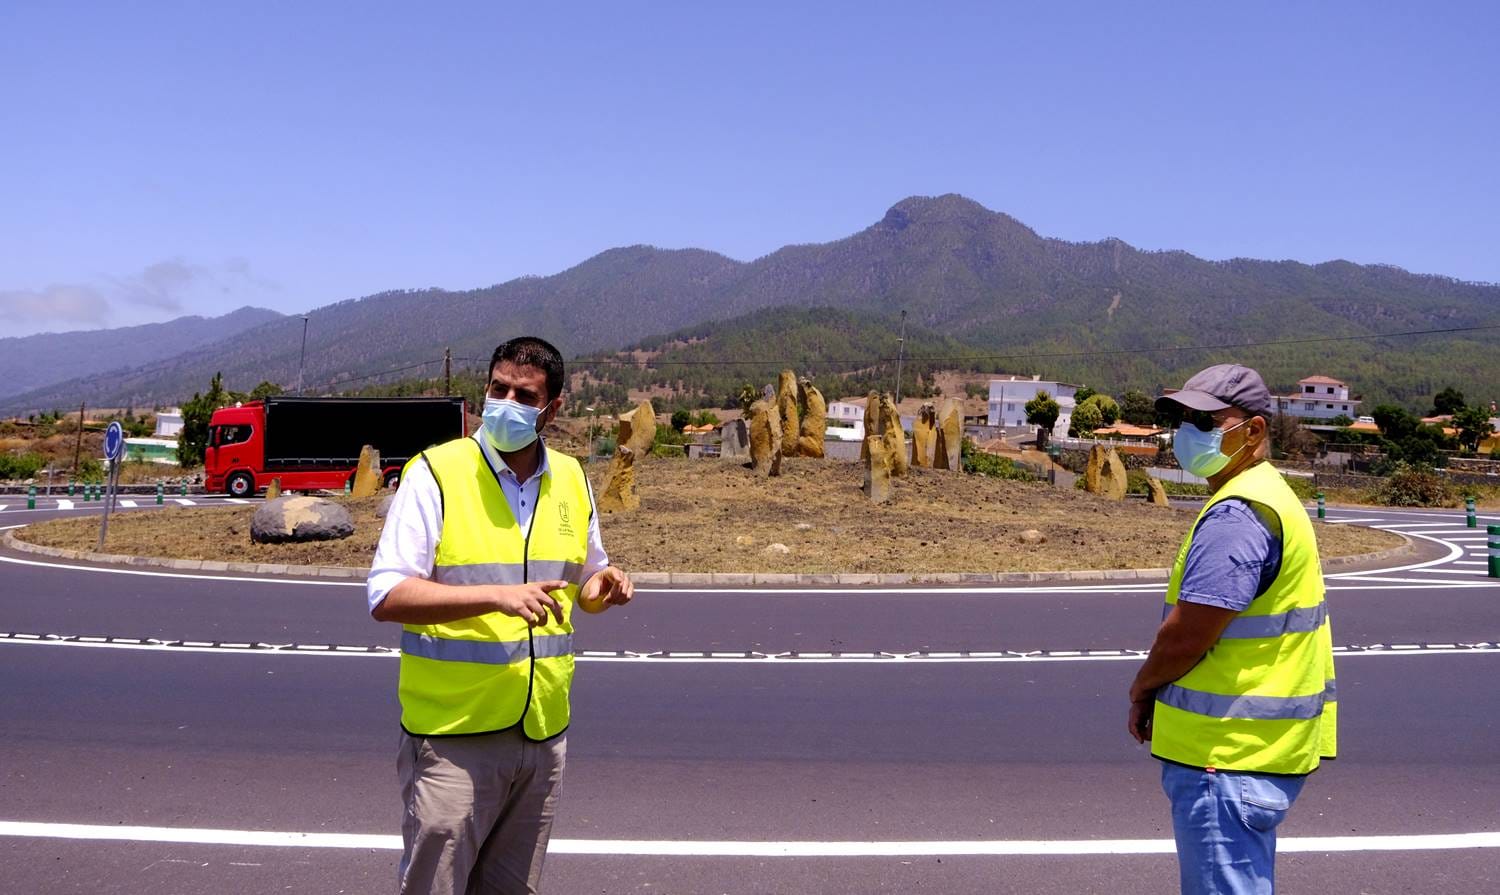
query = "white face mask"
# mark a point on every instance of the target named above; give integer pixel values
(510, 425)
(1198, 452)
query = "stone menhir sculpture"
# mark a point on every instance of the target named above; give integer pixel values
(638, 429)
(619, 494)
(367, 476)
(950, 435)
(893, 436)
(814, 423)
(765, 438)
(877, 485)
(924, 436)
(786, 406)
(1105, 474)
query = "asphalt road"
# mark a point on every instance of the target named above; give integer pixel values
(742, 741)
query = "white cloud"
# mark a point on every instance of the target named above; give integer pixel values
(162, 290)
(66, 304)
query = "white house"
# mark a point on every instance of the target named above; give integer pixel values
(846, 421)
(168, 423)
(1008, 397)
(1319, 398)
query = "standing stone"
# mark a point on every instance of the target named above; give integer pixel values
(1158, 491)
(734, 440)
(924, 436)
(872, 423)
(273, 490)
(786, 406)
(1105, 474)
(893, 436)
(877, 470)
(765, 438)
(814, 425)
(638, 429)
(619, 493)
(950, 435)
(367, 476)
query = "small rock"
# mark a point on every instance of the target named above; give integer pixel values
(804, 526)
(1032, 536)
(777, 549)
(743, 540)
(385, 505)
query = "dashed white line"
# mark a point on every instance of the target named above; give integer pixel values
(184, 501)
(128, 503)
(64, 504)
(748, 848)
(234, 500)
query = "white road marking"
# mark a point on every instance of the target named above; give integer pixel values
(234, 500)
(63, 504)
(1352, 521)
(128, 503)
(720, 658)
(751, 848)
(184, 501)
(333, 582)
(1469, 562)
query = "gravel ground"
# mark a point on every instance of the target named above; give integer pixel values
(711, 516)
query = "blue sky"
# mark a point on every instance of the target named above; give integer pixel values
(162, 158)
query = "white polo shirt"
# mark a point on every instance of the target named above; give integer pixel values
(408, 543)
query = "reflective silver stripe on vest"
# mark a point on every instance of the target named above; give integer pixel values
(486, 652)
(1297, 621)
(509, 572)
(1252, 708)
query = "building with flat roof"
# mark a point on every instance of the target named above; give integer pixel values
(1008, 397)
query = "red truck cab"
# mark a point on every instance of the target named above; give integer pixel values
(313, 444)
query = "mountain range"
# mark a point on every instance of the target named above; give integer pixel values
(1104, 313)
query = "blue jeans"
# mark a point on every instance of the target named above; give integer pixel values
(1225, 826)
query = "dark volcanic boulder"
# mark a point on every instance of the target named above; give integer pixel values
(300, 519)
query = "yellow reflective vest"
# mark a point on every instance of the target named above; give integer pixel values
(1263, 698)
(493, 672)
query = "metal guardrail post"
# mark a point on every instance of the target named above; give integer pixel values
(1469, 512)
(1494, 531)
(1322, 506)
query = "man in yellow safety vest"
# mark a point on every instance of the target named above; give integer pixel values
(1237, 694)
(488, 545)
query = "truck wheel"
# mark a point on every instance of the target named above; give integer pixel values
(393, 478)
(240, 484)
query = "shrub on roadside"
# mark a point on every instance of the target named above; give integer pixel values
(977, 462)
(1302, 487)
(21, 466)
(1410, 486)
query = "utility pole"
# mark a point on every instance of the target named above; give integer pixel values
(303, 359)
(900, 356)
(447, 372)
(78, 448)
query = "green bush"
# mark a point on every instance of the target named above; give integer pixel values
(1411, 486)
(1135, 483)
(21, 466)
(977, 462)
(661, 449)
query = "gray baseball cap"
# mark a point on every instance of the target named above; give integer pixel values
(1222, 386)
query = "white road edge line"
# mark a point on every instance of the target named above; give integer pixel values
(735, 849)
(734, 658)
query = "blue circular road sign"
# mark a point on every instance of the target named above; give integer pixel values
(114, 442)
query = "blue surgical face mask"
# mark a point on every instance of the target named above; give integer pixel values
(1198, 451)
(509, 425)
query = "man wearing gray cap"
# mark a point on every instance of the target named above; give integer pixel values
(1237, 694)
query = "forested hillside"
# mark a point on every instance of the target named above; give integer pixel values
(1102, 313)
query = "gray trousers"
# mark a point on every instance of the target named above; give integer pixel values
(478, 812)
